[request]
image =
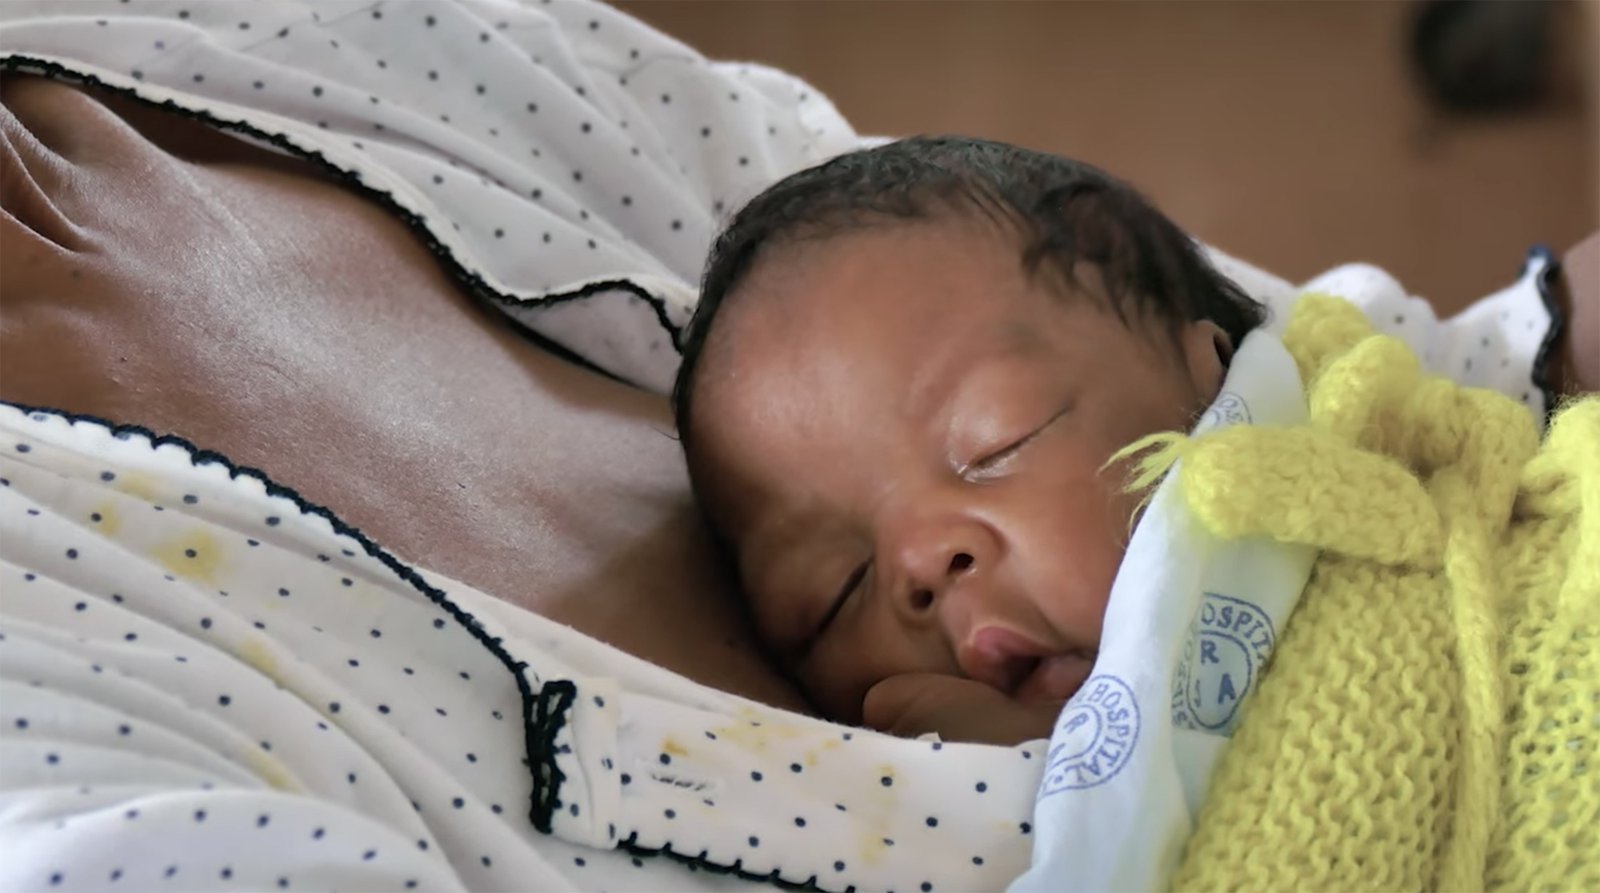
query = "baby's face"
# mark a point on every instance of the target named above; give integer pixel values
(902, 438)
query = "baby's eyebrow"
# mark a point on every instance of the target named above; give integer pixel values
(934, 391)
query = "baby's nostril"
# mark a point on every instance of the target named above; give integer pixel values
(922, 599)
(960, 562)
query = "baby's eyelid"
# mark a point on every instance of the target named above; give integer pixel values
(990, 460)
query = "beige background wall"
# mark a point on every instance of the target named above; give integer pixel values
(1287, 132)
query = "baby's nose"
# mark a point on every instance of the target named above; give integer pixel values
(931, 575)
(941, 565)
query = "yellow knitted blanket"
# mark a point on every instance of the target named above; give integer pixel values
(1431, 716)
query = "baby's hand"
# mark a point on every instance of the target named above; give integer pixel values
(956, 709)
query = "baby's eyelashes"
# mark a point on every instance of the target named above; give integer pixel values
(851, 584)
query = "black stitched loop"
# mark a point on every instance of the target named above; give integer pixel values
(702, 861)
(550, 715)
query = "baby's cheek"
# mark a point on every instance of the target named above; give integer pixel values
(1077, 555)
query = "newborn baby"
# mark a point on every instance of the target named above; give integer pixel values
(900, 400)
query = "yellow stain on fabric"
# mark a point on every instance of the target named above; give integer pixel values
(140, 485)
(196, 555)
(255, 652)
(110, 516)
(670, 745)
(814, 754)
(272, 771)
(758, 731)
(872, 844)
(876, 813)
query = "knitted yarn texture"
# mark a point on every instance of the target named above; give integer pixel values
(1431, 716)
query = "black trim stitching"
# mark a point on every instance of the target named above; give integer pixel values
(538, 750)
(555, 699)
(468, 278)
(1558, 324)
(702, 862)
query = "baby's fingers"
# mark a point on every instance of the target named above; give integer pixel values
(956, 709)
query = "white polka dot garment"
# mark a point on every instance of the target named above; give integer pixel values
(1501, 342)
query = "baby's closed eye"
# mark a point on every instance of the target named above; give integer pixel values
(996, 461)
(852, 583)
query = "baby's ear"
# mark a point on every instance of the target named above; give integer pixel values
(1206, 352)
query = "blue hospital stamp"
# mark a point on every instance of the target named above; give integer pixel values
(1229, 409)
(1228, 644)
(1094, 738)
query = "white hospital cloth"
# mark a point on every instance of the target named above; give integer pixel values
(207, 682)
(1189, 627)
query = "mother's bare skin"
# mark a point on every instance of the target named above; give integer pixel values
(158, 272)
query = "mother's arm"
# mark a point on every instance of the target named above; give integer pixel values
(1576, 366)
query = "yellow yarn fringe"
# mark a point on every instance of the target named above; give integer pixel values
(1163, 450)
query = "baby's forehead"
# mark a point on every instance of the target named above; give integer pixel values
(797, 367)
(835, 332)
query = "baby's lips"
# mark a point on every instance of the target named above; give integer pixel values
(1000, 657)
